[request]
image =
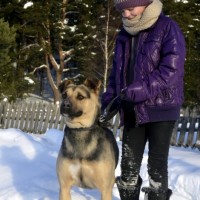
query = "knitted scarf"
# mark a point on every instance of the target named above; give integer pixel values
(145, 20)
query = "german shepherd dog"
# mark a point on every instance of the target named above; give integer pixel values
(89, 153)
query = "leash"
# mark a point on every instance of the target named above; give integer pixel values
(110, 111)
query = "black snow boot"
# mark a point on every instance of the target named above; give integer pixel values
(156, 194)
(129, 192)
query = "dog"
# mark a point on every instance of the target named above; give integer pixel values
(89, 153)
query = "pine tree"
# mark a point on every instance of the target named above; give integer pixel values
(94, 36)
(187, 16)
(12, 82)
(40, 29)
(43, 35)
(7, 39)
(16, 83)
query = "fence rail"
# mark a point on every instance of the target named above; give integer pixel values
(34, 117)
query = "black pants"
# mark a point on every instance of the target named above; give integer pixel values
(158, 134)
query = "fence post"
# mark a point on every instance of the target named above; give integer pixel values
(183, 127)
(197, 133)
(2, 114)
(191, 128)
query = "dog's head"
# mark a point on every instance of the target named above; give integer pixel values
(80, 103)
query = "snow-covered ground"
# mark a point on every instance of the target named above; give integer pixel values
(28, 169)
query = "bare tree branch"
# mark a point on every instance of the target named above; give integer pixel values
(30, 45)
(38, 68)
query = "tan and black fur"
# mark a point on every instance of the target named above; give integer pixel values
(89, 154)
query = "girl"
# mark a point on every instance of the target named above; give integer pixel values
(147, 76)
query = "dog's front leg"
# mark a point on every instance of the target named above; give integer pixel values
(65, 188)
(106, 194)
(65, 193)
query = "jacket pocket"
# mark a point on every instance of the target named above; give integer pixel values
(165, 98)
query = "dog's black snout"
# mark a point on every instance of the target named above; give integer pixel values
(66, 104)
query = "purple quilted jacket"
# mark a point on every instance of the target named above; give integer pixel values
(157, 89)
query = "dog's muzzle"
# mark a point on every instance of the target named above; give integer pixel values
(67, 110)
(65, 106)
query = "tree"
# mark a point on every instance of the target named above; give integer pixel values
(187, 16)
(45, 29)
(50, 40)
(94, 35)
(41, 28)
(16, 82)
(10, 86)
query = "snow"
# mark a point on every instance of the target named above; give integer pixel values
(28, 4)
(28, 169)
(184, 1)
(30, 81)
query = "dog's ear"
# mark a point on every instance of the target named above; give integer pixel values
(93, 84)
(63, 85)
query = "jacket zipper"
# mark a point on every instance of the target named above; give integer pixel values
(135, 107)
(143, 36)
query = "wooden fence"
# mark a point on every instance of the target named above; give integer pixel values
(186, 132)
(187, 129)
(34, 117)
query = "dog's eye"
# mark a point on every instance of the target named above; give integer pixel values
(64, 95)
(80, 97)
